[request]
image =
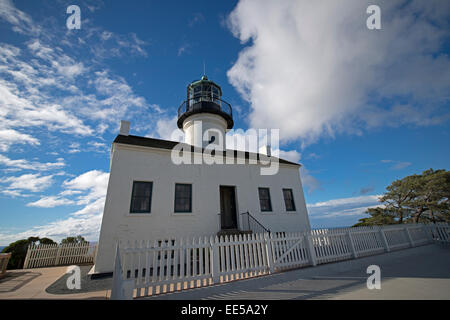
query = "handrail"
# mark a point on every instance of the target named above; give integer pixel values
(255, 223)
(188, 105)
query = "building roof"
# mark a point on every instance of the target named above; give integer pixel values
(169, 145)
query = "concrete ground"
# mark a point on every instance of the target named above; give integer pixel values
(416, 273)
(32, 284)
(411, 274)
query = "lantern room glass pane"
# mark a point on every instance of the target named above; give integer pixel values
(197, 94)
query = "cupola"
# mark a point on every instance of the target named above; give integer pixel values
(204, 116)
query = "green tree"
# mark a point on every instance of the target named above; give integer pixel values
(46, 241)
(399, 195)
(431, 201)
(19, 249)
(77, 239)
(413, 199)
(378, 216)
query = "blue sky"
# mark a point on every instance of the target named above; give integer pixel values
(358, 108)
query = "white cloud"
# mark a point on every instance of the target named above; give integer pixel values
(31, 165)
(44, 85)
(92, 183)
(89, 189)
(167, 129)
(401, 165)
(30, 182)
(87, 226)
(312, 68)
(345, 201)
(397, 165)
(197, 18)
(11, 136)
(98, 147)
(308, 181)
(346, 212)
(291, 155)
(343, 207)
(185, 47)
(45, 90)
(50, 202)
(20, 21)
(105, 44)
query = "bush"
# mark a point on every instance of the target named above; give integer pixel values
(19, 249)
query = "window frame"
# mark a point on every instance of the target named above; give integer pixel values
(269, 198)
(133, 197)
(175, 198)
(292, 199)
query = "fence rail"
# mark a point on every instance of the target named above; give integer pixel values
(47, 255)
(4, 258)
(144, 268)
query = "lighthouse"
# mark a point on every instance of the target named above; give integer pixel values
(204, 116)
(150, 197)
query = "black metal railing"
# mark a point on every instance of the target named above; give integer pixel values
(214, 103)
(254, 225)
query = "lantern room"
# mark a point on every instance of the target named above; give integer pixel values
(204, 116)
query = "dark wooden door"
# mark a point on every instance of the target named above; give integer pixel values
(228, 208)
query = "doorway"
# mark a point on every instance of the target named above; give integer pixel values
(228, 217)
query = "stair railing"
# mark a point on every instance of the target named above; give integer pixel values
(254, 225)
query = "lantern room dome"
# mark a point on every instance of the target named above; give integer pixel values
(204, 96)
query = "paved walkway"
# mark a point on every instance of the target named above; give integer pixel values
(31, 284)
(416, 273)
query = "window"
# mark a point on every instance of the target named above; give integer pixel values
(215, 94)
(197, 90)
(141, 197)
(183, 197)
(197, 93)
(264, 199)
(289, 199)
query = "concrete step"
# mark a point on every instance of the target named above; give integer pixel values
(229, 232)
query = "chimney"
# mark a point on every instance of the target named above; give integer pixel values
(124, 127)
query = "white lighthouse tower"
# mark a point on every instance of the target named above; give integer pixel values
(150, 197)
(204, 116)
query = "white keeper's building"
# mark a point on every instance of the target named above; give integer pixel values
(150, 196)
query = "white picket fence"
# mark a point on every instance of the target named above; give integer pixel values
(147, 268)
(47, 255)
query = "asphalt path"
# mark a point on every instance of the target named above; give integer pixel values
(415, 273)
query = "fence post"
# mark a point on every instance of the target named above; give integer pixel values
(411, 242)
(58, 254)
(312, 251)
(27, 257)
(95, 253)
(268, 243)
(428, 232)
(383, 238)
(214, 256)
(121, 289)
(351, 244)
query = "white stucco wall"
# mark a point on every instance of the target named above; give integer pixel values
(195, 126)
(133, 163)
